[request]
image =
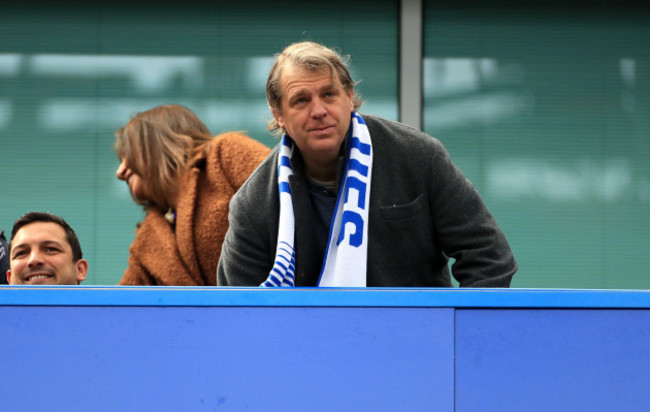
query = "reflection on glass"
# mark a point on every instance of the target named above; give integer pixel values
(545, 109)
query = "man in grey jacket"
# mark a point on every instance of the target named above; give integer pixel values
(350, 200)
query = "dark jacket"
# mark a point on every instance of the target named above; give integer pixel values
(4, 259)
(422, 212)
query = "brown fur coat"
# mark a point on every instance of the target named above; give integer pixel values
(189, 255)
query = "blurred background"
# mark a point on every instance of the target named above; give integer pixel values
(544, 105)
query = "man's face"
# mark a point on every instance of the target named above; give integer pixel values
(41, 255)
(315, 111)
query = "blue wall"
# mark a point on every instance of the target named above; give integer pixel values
(92, 348)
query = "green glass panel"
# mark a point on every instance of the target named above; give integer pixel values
(72, 74)
(545, 107)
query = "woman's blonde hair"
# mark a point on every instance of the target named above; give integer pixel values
(158, 145)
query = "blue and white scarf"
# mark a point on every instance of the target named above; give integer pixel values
(347, 250)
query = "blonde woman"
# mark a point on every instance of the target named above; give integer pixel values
(184, 179)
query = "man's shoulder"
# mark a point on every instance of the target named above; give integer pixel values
(389, 132)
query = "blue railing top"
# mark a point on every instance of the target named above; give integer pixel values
(321, 297)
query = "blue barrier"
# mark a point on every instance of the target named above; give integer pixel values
(148, 348)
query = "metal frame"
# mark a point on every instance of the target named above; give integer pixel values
(410, 63)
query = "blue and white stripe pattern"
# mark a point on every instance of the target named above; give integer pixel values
(283, 272)
(347, 250)
(346, 257)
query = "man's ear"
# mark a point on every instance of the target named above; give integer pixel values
(351, 96)
(9, 276)
(82, 270)
(278, 118)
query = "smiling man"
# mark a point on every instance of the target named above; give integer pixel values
(44, 250)
(354, 200)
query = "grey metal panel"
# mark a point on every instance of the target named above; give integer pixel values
(410, 74)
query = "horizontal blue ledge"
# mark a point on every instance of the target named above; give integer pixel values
(321, 297)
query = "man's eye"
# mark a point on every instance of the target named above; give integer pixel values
(19, 254)
(51, 249)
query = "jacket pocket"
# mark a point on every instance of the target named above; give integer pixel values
(406, 211)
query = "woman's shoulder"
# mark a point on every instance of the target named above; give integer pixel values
(234, 156)
(236, 138)
(238, 146)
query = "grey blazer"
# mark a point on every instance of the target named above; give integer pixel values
(423, 211)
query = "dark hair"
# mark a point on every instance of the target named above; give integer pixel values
(33, 217)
